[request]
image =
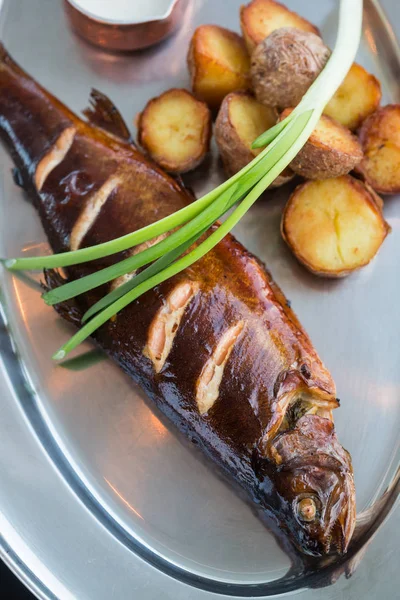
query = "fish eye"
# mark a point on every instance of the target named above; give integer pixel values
(306, 510)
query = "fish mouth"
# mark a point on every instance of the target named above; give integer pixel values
(315, 481)
(342, 529)
(331, 531)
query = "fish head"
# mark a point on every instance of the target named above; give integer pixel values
(314, 480)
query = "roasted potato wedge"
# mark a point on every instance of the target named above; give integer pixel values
(218, 64)
(357, 98)
(380, 141)
(241, 119)
(175, 130)
(331, 151)
(285, 64)
(334, 226)
(259, 18)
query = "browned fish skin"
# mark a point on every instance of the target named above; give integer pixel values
(265, 373)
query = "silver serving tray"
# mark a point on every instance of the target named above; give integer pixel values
(100, 497)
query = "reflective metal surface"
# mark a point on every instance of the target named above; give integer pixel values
(99, 496)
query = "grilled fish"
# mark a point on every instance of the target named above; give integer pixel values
(217, 347)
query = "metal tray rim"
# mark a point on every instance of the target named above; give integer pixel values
(28, 577)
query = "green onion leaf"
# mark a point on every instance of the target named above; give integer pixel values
(180, 249)
(201, 223)
(268, 136)
(155, 268)
(280, 157)
(216, 210)
(180, 217)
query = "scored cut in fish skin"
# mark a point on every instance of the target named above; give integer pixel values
(271, 362)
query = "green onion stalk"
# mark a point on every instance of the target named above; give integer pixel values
(187, 242)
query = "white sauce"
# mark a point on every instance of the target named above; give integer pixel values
(124, 11)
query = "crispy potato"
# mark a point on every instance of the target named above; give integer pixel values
(241, 119)
(357, 98)
(284, 66)
(331, 151)
(175, 130)
(259, 18)
(334, 227)
(218, 64)
(380, 140)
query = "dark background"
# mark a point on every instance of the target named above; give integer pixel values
(10, 587)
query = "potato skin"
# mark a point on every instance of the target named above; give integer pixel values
(234, 152)
(235, 155)
(284, 66)
(318, 159)
(260, 18)
(371, 199)
(159, 152)
(380, 139)
(211, 80)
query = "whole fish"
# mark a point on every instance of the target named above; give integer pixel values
(216, 347)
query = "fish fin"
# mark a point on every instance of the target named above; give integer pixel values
(68, 310)
(102, 113)
(180, 181)
(18, 177)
